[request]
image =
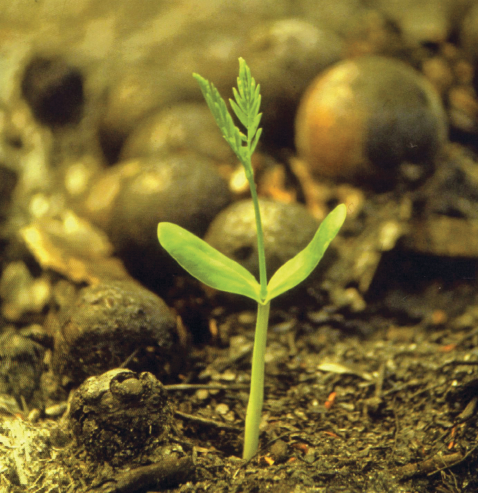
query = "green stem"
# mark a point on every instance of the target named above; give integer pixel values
(256, 395)
(260, 235)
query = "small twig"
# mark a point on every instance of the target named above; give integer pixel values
(458, 363)
(206, 386)
(127, 361)
(437, 462)
(434, 464)
(170, 470)
(459, 461)
(205, 421)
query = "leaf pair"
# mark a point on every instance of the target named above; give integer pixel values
(216, 270)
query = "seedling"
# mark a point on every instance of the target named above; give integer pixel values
(216, 270)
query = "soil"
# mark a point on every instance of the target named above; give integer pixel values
(351, 405)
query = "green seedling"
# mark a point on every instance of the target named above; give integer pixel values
(216, 270)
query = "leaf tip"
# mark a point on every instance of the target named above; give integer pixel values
(341, 211)
(162, 227)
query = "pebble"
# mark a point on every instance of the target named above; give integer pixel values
(439, 73)
(279, 451)
(21, 365)
(120, 415)
(71, 246)
(54, 90)
(288, 228)
(336, 14)
(106, 325)
(363, 118)
(222, 409)
(444, 236)
(452, 191)
(182, 188)
(49, 146)
(25, 151)
(284, 56)
(426, 21)
(22, 294)
(184, 127)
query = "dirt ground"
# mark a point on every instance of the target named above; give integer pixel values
(379, 402)
(376, 404)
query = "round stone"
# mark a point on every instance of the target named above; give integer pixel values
(120, 415)
(185, 126)
(288, 228)
(363, 118)
(107, 324)
(181, 188)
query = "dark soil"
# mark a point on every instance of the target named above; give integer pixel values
(394, 411)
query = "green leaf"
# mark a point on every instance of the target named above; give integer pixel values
(245, 106)
(301, 266)
(205, 263)
(219, 110)
(243, 117)
(256, 140)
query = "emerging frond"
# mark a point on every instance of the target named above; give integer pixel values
(246, 104)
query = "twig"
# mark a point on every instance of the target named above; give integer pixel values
(205, 421)
(170, 470)
(206, 386)
(433, 465)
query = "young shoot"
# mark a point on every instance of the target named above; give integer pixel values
(216, 270)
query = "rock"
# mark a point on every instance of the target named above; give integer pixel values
(73, 247)
(21, 365)
(133, 197)
(424, 22)
(444, 236)
(284, 56)
(106, 325)
(120, 415)
(335, 14)
(54, 90)
(181, 188)
(288, 228)
(451, 192)
(363, 118)
(22, 294)
(184, 127)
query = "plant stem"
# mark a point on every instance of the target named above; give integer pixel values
(260, 236)
(256, 395)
